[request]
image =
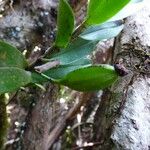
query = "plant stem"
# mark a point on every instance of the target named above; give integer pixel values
(78, 30)
(47, 66)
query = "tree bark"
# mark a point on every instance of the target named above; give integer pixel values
(41, 120)
(122, 121)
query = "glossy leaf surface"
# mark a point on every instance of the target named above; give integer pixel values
(65, 24)
(100, 11)
(12, 78)
(104, 31)
(128, 10)
(10, 56)
(90, 78)
(78, 49)
(61, 71)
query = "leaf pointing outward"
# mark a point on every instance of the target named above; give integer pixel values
(128, 10)
(63, 70)
(12, 78)
(78, 49)
(90, 78)
(100, 11)
(59, 72)
(65, 23)
(81, 78)
(103, 31)
(11, 57)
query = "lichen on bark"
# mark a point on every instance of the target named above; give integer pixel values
(123, 122)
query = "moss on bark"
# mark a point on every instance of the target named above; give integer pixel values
(3, 121)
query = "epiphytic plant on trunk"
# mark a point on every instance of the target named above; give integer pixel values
(70, 66)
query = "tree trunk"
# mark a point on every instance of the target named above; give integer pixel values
(122, 120)
(41, 120)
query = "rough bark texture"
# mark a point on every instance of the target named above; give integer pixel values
(122, 120)
(132, 129)
(40, 120)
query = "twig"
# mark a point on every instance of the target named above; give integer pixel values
(47, 66)
(12, 98)
(11, 5)
(61, 126)
(92, 144)
(78, 30)
(48, 51)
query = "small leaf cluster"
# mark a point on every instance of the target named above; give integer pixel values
(75, 69)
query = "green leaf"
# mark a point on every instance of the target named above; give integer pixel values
(128, 10)
(100, 11)
(38, 77)
(63, 70)
(59, 72)
(104, 31)
(65, 23)
(78, 49)
(10, 56)
(12, 78)
(90, 78)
